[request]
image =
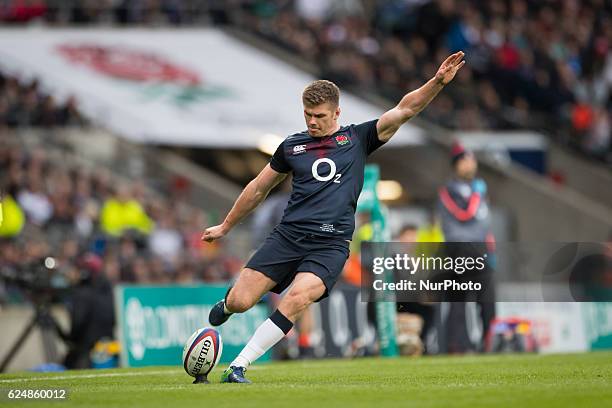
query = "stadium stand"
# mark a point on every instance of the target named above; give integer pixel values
(54, 206)
(25, 105)
(532, 65)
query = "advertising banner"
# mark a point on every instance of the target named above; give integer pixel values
(155, 321)
(198, 87)
(598, 324)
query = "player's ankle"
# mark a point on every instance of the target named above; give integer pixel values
(240, 361)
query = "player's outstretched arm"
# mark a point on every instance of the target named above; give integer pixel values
(252, 195)
(414, 102)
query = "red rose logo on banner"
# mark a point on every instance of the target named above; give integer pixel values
(158, 78)
(128, 64)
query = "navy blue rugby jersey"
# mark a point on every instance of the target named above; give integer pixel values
(327, 178)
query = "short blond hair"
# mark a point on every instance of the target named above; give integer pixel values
(319, 92)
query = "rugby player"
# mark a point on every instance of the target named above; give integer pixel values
(307, 250)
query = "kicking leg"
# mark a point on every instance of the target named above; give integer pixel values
(246, 292)
(306, 289)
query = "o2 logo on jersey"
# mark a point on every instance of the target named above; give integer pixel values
(332, 171)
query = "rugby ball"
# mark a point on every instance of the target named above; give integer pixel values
(202, 352)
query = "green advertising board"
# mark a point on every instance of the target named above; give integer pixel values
(155, 321)
(598, 324)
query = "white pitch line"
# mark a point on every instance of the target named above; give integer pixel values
(70, 377)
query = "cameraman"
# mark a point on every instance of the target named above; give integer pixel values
(91, 310)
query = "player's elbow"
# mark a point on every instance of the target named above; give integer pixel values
(408, 113)
(386, 133)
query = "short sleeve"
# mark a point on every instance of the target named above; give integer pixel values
(367, 134)
(278, 161)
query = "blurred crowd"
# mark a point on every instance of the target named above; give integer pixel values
(26, 105)
(63, 220)
(531, 64)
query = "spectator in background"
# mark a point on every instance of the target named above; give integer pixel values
(121, 213)
(127, 251)
(46, 113)
(597, 140)
(13, 218)
(35, 203)
(22, 11)
(424, 311)
(165, 240)
(431, 231)
(364, 231)
(137, 271)
(68, 115)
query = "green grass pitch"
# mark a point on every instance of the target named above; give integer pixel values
(576, 380)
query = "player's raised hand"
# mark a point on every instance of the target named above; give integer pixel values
(449, 67)
(212, 233)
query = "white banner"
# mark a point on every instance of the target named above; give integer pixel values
(188, 87)
(558, 326)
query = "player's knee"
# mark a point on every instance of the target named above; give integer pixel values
(238, 304)
(297, 300)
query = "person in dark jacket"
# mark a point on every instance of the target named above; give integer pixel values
(465, 215)
(91, 310)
